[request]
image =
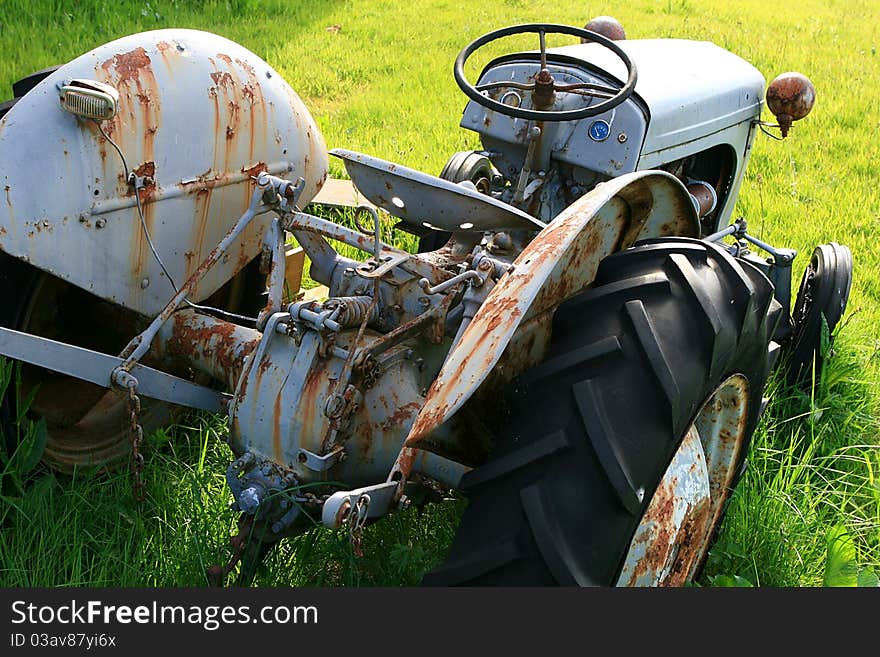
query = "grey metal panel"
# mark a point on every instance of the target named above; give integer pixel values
(97, 368)
(691, 88)
(569, 140)
(426, 199)
(197, 113)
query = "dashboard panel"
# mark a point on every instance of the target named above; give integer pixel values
(608, 144)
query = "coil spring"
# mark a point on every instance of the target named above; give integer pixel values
(352, 310)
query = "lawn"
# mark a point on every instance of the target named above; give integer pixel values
(380, 81)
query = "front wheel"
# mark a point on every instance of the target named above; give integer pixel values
(821, 299)
(623, 445)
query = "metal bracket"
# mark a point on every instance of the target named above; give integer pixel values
(387, 263)
(105, 370)
(317, 463)
(341, 504)
(777, 268)
(739, 230)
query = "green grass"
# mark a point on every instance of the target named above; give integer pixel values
(383, 85)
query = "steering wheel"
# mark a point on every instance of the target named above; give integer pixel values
(544, 85)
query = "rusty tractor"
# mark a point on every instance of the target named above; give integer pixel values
(580, 345)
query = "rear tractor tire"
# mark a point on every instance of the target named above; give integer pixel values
(623, 445)
(88, 426)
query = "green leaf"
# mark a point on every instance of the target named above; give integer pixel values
(868, 579)
(731, 581)
(824, 338)
(36, 445)
(841, 566)
(5, 375)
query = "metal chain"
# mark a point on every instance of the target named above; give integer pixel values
(357, 518)
(217, 573)
(136, 436)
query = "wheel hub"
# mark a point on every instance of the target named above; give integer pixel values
(676, 530)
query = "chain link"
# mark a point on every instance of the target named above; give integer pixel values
(136, 437)
(357, 518)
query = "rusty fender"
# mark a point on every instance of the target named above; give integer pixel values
(198, 116)
(559, 263)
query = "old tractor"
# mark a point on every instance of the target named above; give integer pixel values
(580, 345)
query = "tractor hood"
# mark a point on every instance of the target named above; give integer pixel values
(691, 88)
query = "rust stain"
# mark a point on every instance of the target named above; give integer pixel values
(658, 539)
(147, 192)
(690, 539)
(254, 170)
(247, 67)
(128, 65)
(146, 170)
(258, 122)
(222, 346)
(134, 128)
(222, 79)
(203, 205)
(402, 415)
(276, 430)
(170, 54)
(314, 422)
